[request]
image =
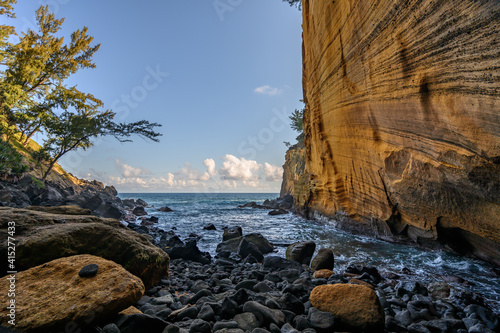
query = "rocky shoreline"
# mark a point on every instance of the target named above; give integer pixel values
(162, 283)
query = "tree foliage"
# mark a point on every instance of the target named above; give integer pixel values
(297, 119)
(34, 96)
(296, 3)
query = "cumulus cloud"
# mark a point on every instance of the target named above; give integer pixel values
(273, 173)
(210, 164)
(268, 90)
(128, 171)
(234, 168)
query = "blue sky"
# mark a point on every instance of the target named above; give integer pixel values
(220, 76)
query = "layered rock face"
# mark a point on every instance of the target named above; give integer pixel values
(292, 169)
(402, 128)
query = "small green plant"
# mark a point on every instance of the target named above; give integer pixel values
(37, 182)
(11, 162)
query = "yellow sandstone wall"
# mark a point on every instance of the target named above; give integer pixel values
(403, 120)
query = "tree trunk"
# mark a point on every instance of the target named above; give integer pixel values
(28, 137)
(51, 165)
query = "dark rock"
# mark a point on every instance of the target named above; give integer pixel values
(323, 260)
(278, 212)
(291, 303)
(301, 252)
(225, 324)
(206, 313)
(261, 242)
(233, 232)
(247, 321)
(247, 284)
(300, 322)
(139, 211)
(228, 309)
(229, 245)
(289, 275)
(141, 202)
(410, 288)
(89, 271)
(246, 249)
(110, 328)
(200, 294)
(262, 287)
(189, 251)
(260, 330)
(209, 227)
(110, 210)
(417, 328)
(191, 312)
(273, 263)
(164, 314)
(269, 315)
(240, 297)
(487, 316)
(403, 318)
(320, 320)
(287, 328)
(165, 209)
(140, 323)
(93, 203)
(200, 326)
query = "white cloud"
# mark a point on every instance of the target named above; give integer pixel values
(273, 173)
(210, 164)
(234, 168)
(268, 90)
(128, 171)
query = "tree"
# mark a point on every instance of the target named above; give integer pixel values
(33, 96)
(296, 3)
(297, 119)
(6, 10)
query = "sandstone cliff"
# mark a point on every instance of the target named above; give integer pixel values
(292, 169)
(402, 130)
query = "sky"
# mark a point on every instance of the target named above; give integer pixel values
(221, 76)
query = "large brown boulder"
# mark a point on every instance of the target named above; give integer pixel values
(42, 237)
(52, 296)
(356, 308)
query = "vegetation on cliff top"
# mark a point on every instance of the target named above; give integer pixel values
(34, 97)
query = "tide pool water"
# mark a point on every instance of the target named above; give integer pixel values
(193, 211)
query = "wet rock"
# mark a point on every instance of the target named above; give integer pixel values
(60, 295)
(278, 212)
(354, 307)
(301, 252)
(260, 242)
(209, 227)
(323, 260)
(487, 316)
(110, 328)
(206, 313)
(233, 232)
(139, 211)
(165, 209)
(439, 290)
(287, 328)
(417, 328)
(225, 324)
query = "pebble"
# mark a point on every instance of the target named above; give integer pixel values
(89, 271)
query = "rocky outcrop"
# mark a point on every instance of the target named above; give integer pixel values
(52, 296)
(42, 237)
(293, 168)
(402, 131)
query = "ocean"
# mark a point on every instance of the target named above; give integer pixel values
(193, 211)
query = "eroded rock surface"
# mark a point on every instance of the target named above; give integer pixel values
(402, 130)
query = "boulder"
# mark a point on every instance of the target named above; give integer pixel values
(139, 211)
(50, 296)
(301, 252)
(165, 209)
(354, 307)
(322, 274)
(230, 233)
(273, 263)
(257, 239)
(323, 260)
(42, 237)
(246, 249)
(210, 226)
(189, 251)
